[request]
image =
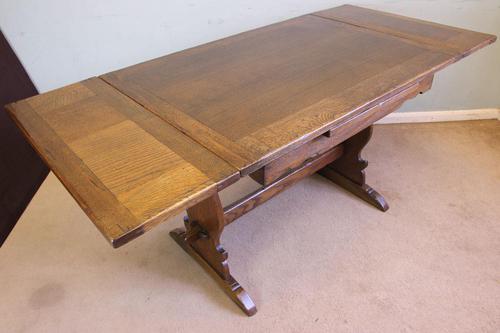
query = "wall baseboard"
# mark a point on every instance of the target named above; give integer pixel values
(439, 116)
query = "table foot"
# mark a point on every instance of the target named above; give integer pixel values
(348, 171)
(229, 285)
(363, 191)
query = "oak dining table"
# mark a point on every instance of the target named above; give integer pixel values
(139, 145)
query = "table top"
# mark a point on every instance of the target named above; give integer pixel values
(141, 144)
(126, 168)
(253, 94)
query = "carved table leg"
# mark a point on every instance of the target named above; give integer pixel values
(201, 240)
(348, 170)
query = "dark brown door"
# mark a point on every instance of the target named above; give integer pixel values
(21, 170)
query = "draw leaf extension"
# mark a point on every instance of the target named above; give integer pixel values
(139, 145)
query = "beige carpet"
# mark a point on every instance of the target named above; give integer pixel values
(315, 259)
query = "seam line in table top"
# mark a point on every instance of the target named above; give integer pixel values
(423, 44)
(454, 56)
(180, 129)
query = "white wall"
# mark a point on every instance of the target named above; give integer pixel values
(63, 41)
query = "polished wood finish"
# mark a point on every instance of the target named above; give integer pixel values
(124, 166)
(139, 145)
(21, 170)
(201, 240)
(286, 163)
(253, 97)
(343, 130)
(251, 201)
(204, 228)
(362, 191)
(353, 124)
(348, 170)
(445, 39)
(230, 286)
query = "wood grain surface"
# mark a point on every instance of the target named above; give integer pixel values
(126, 168)
(140, 144)
(262, 93)
(450, 40)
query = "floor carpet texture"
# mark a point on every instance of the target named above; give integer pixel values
(314, 259)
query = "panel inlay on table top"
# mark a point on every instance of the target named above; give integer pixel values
(254, 96)
(141, 144)
(454, 41)
(127, 168)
